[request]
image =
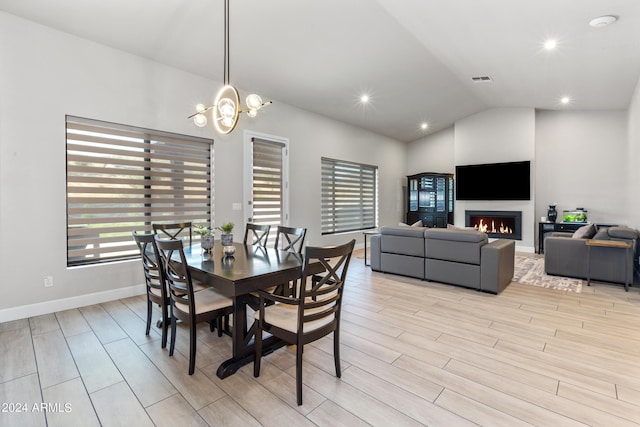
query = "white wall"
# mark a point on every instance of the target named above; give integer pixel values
(494, 136)
(434, 153)
(581, 159)
(45, 74)
(633, 160)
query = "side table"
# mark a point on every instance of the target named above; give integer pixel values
(366, 234)
(616, 244)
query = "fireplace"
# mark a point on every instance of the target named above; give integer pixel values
(499, 224)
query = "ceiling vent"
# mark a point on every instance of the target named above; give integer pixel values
(482, 79)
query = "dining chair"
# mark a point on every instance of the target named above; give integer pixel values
(290, 239)
(154, 280)
(255, 234)
(186, 305)
(314, 313)
(175, 230)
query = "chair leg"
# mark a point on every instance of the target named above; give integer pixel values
(299, 348)
(192, 349)
(211, 325)
(336, 352)
(149, 311)
(219, 325)
(257, 345)
(172, 346)
(165, 326)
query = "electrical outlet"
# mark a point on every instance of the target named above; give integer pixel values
(48, 281)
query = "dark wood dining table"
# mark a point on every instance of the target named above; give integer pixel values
(249, 269)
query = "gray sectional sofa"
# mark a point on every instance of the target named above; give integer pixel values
(566, 254)
(460, 257)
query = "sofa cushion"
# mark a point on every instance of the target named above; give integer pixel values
(454, 245)
(402, 240)
(455, 235)
(622, 233)
(585, 232)
(417, 232)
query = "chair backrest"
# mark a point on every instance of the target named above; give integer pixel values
(290, 239)
(255, 234)
(151, 263)
(174, 230)
(176, 272)
(322, 284)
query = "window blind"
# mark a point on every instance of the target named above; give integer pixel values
(267, 182)
(122, 178)
(349, 196)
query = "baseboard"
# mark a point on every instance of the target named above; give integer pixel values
(25, 311)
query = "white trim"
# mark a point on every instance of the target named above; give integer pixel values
(26, 311)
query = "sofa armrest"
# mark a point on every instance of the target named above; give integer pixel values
(497, 260)
(375, 251)
(565, 257)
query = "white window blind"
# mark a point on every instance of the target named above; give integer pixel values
(122, 178)
(267, 182)
(349, 196)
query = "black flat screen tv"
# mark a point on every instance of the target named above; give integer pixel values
(494, 181)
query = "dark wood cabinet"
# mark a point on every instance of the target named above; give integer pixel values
(430, 199)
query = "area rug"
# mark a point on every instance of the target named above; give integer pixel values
(530, 271)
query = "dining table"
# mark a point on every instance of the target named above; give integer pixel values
(250, 268)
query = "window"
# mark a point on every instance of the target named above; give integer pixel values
(268, 182)
(349, 196)
(122, 178)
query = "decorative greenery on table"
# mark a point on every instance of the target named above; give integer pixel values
(202, 230)
(226, 228)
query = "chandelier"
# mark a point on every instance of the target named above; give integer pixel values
(226, 106)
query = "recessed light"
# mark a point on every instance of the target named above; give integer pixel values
(424, 126)
(603, 21)
(565, 100)
(364, 98)
(550, 44)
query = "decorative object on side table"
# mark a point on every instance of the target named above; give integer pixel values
(206, 238)
(552, 213)
(578, 215)
(229, 250)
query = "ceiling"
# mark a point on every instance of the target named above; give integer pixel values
(414, 58)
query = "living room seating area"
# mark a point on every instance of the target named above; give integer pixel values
(456, 256)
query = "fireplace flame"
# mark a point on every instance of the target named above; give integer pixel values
(486, 228)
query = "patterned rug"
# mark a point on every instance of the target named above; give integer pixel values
(530, 271)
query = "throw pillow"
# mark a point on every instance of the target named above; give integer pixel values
(402, 224)
(453, 227)
(585, 232)
(418, 223)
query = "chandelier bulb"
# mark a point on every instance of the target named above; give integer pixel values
(201, 108)
(252, 112)
(200, 120)
(254, 102)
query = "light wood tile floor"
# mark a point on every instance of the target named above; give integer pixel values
(413, 353)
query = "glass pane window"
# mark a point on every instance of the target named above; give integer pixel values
(122, 178)
(349, 196)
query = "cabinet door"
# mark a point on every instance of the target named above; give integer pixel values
(441, 191)
(413, 195)
(427, 194)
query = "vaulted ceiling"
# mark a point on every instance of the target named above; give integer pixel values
(414, 58)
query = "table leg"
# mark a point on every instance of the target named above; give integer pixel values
(588, 265)
(242, 340)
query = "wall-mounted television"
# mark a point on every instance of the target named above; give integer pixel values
(494, 181)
